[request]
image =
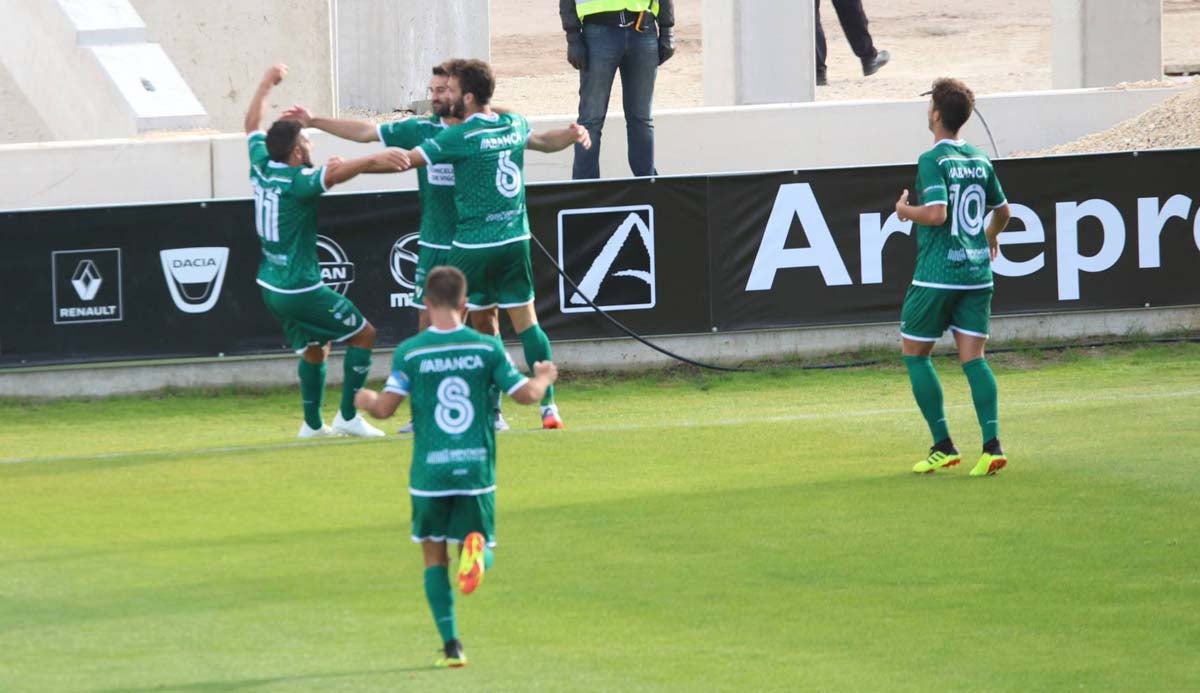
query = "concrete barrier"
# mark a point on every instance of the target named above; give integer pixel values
(95, 380)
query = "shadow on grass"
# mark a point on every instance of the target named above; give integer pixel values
(247, 684)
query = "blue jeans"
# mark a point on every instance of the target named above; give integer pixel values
(635, 54)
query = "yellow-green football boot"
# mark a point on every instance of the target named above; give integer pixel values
(937, 460)
(989, 464)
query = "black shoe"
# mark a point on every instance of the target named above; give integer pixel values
(872, 65)
(821, 81)
(453, 655)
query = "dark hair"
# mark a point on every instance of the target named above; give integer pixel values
(474, 77)
(954, 100)
(445, 287)
(281, 139)
(441, 70)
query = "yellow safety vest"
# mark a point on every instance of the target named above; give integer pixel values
(585, 7)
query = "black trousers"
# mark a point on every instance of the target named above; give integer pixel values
(854, 24)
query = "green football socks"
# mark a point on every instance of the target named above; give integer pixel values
(489, 557)
(536, 345)
(441, 601)
(985, 395)
(927, 390)
(354, 373)
(312, 391)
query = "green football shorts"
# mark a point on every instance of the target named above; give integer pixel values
(499, 275)
(929, 312)
(314, 317)
(452, 518)
(427, 259)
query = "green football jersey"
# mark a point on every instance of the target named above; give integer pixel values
(955, 255)
(285, 215)
(435, 183)
(488, 153)
(450, 379)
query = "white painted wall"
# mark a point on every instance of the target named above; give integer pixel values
(689, 141)
(222, 48)
(20, 122)
(759, 52)
(1098, 43)
(386, 48)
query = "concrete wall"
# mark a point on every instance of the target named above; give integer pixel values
(386, 48)
(587, 355)
(222, 48)
(758, 52)
(689, 141)
(1098, 43)
(20, 122)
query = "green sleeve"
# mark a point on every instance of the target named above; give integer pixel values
(309, 182)
(405, 134)
(258, 148)
(931, 183)
(504, 373)
(995, 193)
(449, 146)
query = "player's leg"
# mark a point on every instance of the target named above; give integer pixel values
(430, 524)
(605, 44)
(473, 529)
(639, 68)
(970, 324)
(923, 319)
(487, 321)
(312, 350)
(820, 45)
(337, 318)
(516, 297)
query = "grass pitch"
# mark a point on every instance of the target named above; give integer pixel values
(742, 532)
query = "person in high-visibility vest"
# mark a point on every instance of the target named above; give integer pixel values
(604, 36)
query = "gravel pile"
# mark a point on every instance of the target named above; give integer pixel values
(1173, 124)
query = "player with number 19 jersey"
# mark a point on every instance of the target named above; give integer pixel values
(955, 255)
(449, 378)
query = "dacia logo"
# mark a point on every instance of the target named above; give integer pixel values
(194, 276)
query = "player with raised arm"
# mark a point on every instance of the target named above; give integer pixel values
(286, 190)
(952, 283)
(435, 184)
(491, 244)
(448, 373)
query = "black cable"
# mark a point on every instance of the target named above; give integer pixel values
(989, 132)
(562, 273)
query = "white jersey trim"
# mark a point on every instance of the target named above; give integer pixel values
(506, 306)
(278, 290)
(956, 328)
(956, 143)
(472, 308)
(961, 287)
(964, 158)
(277, 164)
(518, 386)
(448, 347)
(424, 156)
(493, 118)
(435, 246)
(451, 492)
(491, 245)
(436, 330)
(484, 131)
(324, 185)
(396, 390)
(914, 338)
(934, 203)
(998, 205)
(356, 330)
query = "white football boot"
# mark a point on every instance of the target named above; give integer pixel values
(501, 424)
(322, 432)
(357, 427)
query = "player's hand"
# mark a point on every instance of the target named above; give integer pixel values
(335, 161)
(275, 74)
(365, 399)
(394, 158)
(582, 136)
(666, 43)
(901, 204)
(547, 370)
(576, 50)
(994, 246)
(298, 112)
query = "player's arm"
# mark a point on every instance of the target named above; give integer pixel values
(1000, 218)
(258, 104)
(560, 139)
(930, 214)
(532, 391)
(380, 405)
(390, 160)
(353, 130)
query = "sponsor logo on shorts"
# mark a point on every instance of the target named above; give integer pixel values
(609, 253)
(402, 261)
(194, 276)
(337, 272)
(86, 285)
